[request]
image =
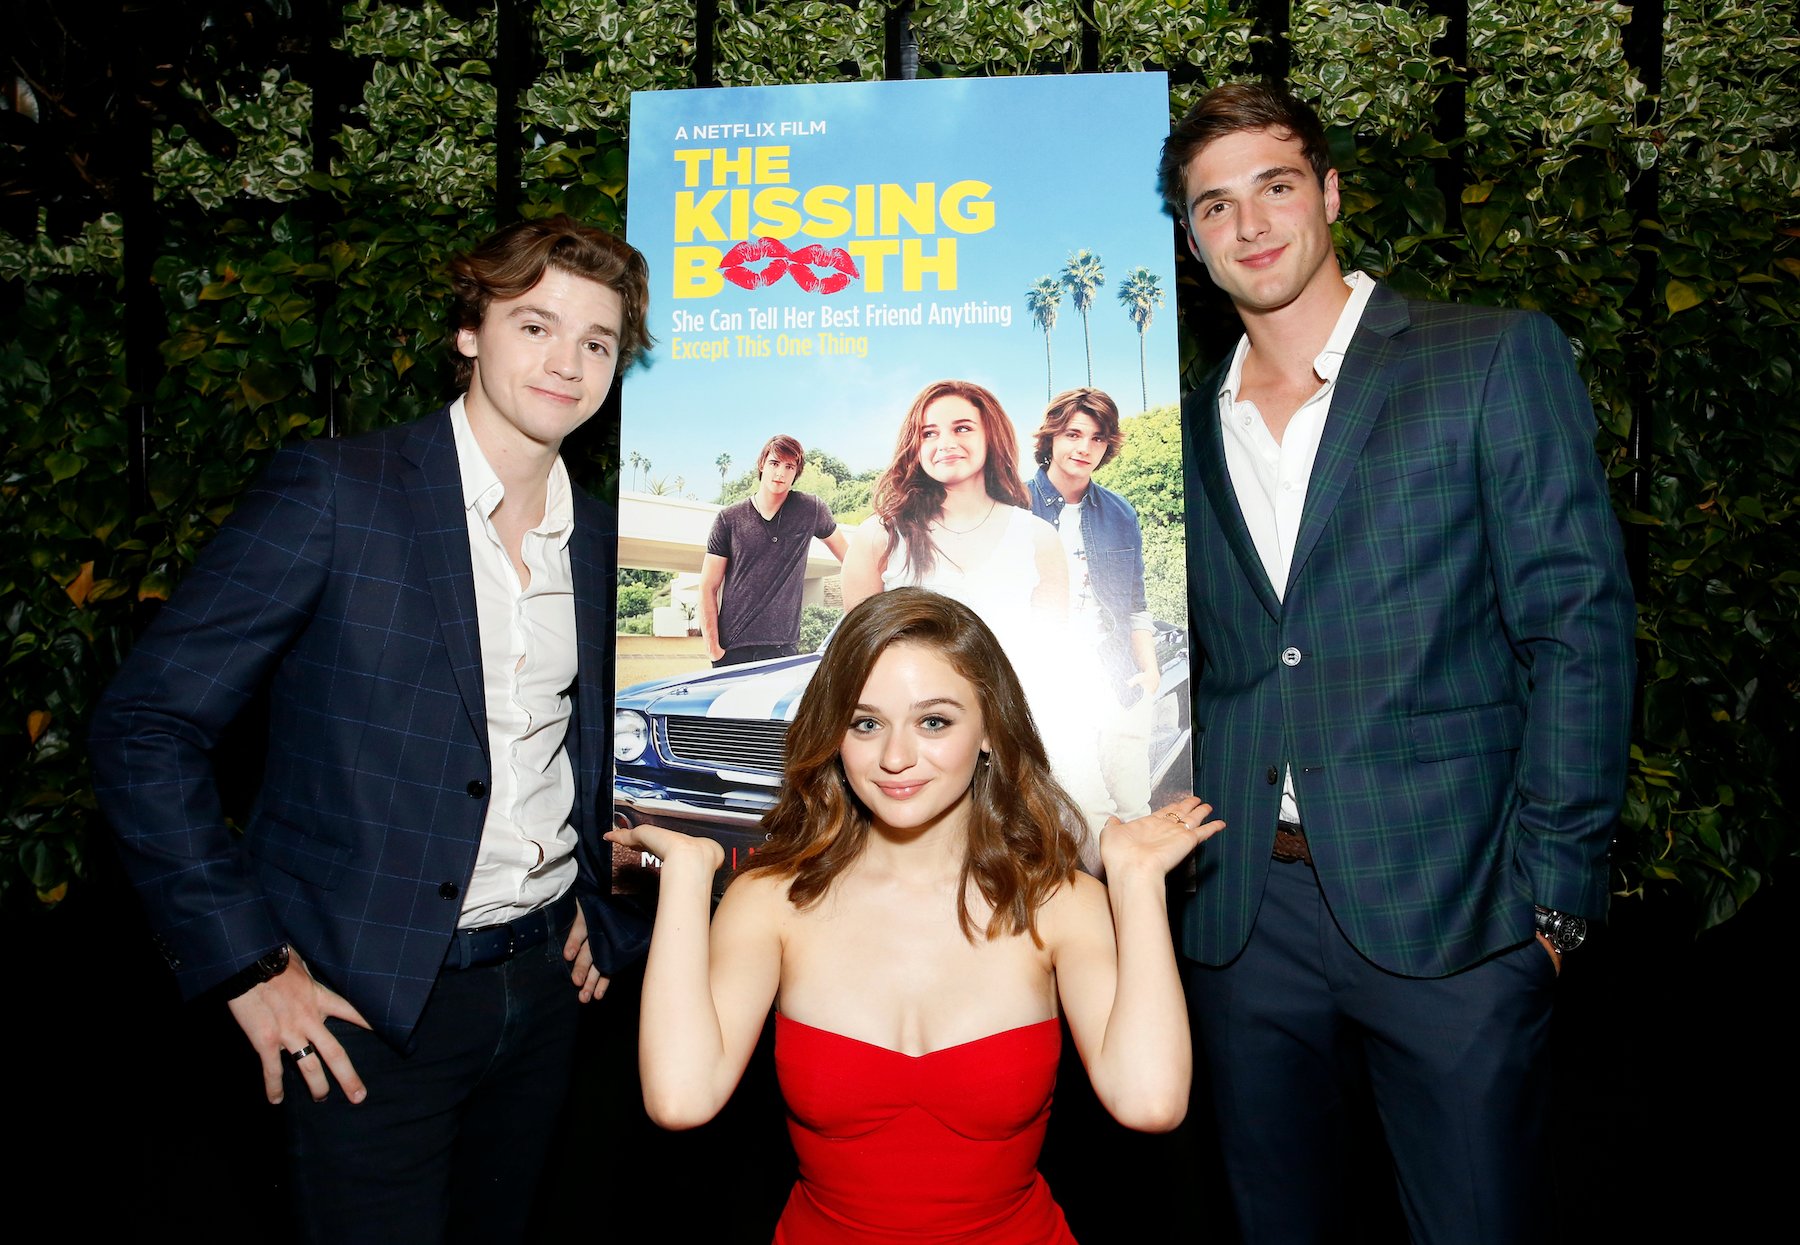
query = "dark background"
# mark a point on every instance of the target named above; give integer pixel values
(134, 1116)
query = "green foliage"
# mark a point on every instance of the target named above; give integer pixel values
(653, 581)
(816, 622)
(634, 599)
(1370, 71)
(1210, 37)
(965, 37)
(427, 112)
(1147, 473)
(1711, 798)
(808, 41)
(271, 158)
(1146, 470)
(69, 567)
(272, 278)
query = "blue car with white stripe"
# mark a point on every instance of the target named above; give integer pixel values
(702, 753)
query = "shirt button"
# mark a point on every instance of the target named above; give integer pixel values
(447, 890)
(1290, 656)
(1272, 777)
(477, 788)
(1287, 486)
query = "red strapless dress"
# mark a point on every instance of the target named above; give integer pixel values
(900, 1148)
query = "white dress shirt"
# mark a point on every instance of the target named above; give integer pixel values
(1271, 477)
(528, 664)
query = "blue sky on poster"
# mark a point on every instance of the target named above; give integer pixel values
(1071, 164)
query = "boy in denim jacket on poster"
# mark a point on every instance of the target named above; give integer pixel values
(1100, 533)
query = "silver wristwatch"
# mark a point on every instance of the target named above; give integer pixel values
(1564, 931)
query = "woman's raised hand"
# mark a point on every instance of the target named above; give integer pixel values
(1160, 841)
(669, 845)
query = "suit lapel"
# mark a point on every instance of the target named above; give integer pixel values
(1362, 391)
(1207, 445)
(434, 490)
(592, 554)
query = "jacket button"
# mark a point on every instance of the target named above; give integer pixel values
(1273, 776)
(1290, 656)
(476, 788)
(447, 890)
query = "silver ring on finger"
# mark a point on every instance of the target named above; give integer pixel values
(303, 1053)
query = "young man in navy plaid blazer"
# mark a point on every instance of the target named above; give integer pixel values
(1415, 630)
(419, 900)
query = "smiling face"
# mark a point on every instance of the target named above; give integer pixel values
(952, 443)
(915, 738)
(543, 362)
(1075, 452)
(1259, 219)
(777, 473)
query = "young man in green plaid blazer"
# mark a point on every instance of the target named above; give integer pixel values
(1414, 628)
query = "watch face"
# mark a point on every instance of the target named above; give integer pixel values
(1571, 933)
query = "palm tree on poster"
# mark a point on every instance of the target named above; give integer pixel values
(723, 463)
(637, 460)
(1141, 292)
(1042, 300)
(1084, 276)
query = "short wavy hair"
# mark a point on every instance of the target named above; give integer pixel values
(1020, 843)
(513, 260)
(785, 446)
(1097, 405)
(1233, 109)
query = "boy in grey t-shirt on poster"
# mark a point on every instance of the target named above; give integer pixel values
(755, 568)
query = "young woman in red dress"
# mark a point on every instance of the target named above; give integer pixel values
(919, 922)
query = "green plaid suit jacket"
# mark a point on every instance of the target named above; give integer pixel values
(1457, 627)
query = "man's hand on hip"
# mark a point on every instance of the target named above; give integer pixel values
(586, 977)
(285, 1015)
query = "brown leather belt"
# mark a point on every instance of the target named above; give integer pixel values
(1291, 845)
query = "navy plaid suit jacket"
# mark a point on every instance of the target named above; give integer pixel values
(343, 583)
(1457, 626)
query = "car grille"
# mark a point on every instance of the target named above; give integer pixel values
(727, 743)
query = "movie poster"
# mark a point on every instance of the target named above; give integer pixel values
(898, 278)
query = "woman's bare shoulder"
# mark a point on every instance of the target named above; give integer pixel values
(759, 894)
(1073, 907)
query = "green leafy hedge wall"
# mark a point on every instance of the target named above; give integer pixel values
(271, 276)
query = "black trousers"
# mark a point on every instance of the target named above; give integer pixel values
(451, 1140)
(1458, 1067)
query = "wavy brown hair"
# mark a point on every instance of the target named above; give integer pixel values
(1096, 405)
(1020, 845)
(907, 500)
(510, 262)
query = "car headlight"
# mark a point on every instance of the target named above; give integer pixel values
(631, 735)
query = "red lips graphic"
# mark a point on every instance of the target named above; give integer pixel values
(782, 262)
(815, 256)
(771, 249)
